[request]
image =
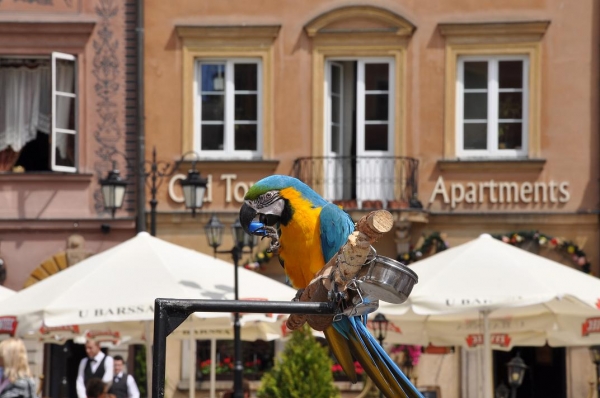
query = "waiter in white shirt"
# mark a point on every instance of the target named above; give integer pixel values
(123, 385)
(95, 365)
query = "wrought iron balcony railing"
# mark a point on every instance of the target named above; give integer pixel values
(362, 182)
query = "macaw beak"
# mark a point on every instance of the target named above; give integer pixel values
(247, 215)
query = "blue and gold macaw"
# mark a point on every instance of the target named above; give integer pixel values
(312, 230)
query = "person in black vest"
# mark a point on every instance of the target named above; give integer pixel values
(95, 365)
(123, 385)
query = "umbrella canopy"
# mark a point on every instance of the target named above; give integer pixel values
(121, 284)
(7, 324)
(5, 293)
(110, 296)
(486, 292)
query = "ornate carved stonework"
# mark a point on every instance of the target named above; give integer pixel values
(106, 71)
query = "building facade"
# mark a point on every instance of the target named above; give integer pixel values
(67, 116)
(461, 118)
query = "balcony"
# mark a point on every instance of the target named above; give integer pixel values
(365, 183)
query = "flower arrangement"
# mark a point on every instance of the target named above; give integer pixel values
(410, 354)
(564, 247)
(337, 370)
(434, 243)
(252, 366)
(256, 263)
(224, 366)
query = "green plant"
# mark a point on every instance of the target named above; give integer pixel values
(304, 370)
(139, 370)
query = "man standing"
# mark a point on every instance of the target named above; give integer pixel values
(95, 365)
(123, 385)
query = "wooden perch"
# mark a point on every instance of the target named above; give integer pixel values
(344, 265)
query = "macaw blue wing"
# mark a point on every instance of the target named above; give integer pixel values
(336, 225)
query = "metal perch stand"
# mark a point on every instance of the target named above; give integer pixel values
(170, 313)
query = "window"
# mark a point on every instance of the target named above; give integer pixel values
(228, 108)
(358, 104)
(38, 125)
(493, 90)
(491, 106)
(359, 140)
(245, 68)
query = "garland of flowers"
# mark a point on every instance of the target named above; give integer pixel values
(432, 243)
(565, 247)
(256, 263)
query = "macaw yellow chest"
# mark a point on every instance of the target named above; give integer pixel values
(300, 242)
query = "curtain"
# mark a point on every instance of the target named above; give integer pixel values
(20, 94)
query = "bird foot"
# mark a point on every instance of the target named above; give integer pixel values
(298, 295)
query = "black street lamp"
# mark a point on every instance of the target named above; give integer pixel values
(595, 355)
(516, 373)
(380, 325)
(113, 190)
(193, 186)
(214, 235)
(502, 391)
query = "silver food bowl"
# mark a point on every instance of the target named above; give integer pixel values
(387, 280)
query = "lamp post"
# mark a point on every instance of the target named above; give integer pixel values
(595, 355)
(193, 186)
(380, 325)
(214, 235)
(502, 391)
(516, 373)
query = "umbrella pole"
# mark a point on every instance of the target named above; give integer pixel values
(147, 333)
(213, 367)
(192, 364)
(487, 356)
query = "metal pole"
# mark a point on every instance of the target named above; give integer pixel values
(238, 369)
(170, 313)
(141, 126)
(513, 392)
(153, 201)
(598, 378)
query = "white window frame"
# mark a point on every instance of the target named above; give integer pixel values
(53, 166)
(492, 108)
(228, 152)
(360, 104)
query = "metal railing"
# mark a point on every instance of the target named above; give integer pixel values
(365, 181)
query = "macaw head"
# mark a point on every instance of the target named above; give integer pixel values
(267, 200)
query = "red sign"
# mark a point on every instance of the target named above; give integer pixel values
(8, 325)
(499, 339)
(53, 329)
(591, 325)
(103, 335)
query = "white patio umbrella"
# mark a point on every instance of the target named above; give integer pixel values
(5, 293)
(115, 290)
(486, 292)
(7, 324)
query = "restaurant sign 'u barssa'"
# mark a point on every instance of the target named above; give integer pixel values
(500, 192)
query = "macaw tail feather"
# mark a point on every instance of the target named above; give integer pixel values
(386, 375)
(339, 346)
